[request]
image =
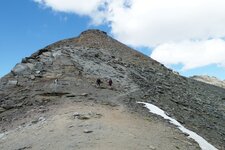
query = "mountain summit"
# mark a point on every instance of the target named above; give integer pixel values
(64, 74)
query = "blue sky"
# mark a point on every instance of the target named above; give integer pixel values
(185, 42)
(26, 27)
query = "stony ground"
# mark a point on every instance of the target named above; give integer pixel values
(87, 125)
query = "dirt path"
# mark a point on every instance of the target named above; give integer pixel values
(76, 125)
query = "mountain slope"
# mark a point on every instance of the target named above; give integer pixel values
(210, 80)
(70, 67)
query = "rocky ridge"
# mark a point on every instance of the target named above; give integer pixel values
(210, 80)
(66, 69)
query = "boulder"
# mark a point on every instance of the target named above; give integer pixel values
(84, 94)
(88, 131)
(57, 53)
(22, 68)
(25, 60)
(32, 77)
(2, 110)
(12, 82)
(30, 66)
(47, 54)
(19, 68)
(35, 55)
(38, 71)
(76, 114)
(83, 117)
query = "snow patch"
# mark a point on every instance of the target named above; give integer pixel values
(201, 141)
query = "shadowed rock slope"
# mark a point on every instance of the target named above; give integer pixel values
(64, 68)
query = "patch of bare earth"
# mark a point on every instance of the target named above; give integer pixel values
(78, 125)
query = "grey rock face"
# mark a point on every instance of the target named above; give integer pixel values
(20, 69)
(12, 82)
(32, 77)
(76, 63)
(2, 110)
(209, 80)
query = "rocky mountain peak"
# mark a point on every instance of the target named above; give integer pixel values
(93, 32)
(93, 37)
(67, 71)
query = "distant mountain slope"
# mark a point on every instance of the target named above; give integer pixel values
(70, 67)
(209, 80)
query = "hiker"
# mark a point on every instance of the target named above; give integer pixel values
(79, 73)
(98, 82)
(110, 82)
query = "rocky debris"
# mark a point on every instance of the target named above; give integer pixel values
(8, 104)
(112, 104)
(42, 109)
(38, 53)
(152, 147)
(84, 94)
(71, 126)
(83, 117)
(24, 148)
(76, 114)
(2, 110)
(54, 94)
(57, 54)
(40, 119)
(23, 68)
(38, 71)
(34, 121)
(86, 116)
(12, 82)
(87, 131)
(71, 95)
(32, 77)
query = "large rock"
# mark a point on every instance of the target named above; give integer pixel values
(57, 54)
(30, 66)
(2, 110)
(22, 68)
(47, 54)
(32, 77)
(12, 82)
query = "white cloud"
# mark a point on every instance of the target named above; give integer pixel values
(151, 22)
(185, 25)
(82, 7)
(191, 54)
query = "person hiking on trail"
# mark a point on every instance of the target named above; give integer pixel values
(98, 82)
(79, 73)
(110, 82)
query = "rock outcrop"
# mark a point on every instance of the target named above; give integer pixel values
(70, 67)
(210, 80)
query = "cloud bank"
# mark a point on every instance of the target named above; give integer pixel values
(192, 54)
(177, 30)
